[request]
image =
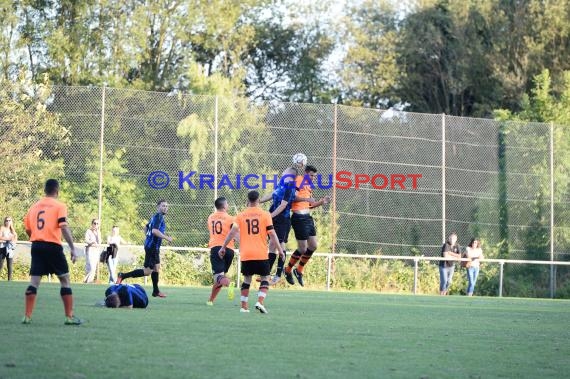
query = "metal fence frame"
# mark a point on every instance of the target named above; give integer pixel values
(330, 258)
(338, 130)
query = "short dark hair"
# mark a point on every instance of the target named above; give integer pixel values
(473, 241)
(51, 187)
(113, 301)
(160, 202)
(310, 168)
(219, 203)
(252, 196)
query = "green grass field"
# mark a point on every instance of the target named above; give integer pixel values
(306, 335)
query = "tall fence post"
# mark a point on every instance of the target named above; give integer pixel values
(443, 187)
(501, 264)
(101, 153)
(552, 274)
(216, 146)
(329, 268)
(333, 202)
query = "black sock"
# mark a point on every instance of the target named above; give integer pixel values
(281, 264)
(133, 274)
(272, 258)
(154, 277)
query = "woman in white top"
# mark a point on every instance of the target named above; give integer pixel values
(7, 244)
(92, 241)
(114, 241)
(474, 252)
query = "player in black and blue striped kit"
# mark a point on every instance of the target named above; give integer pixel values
(282, 200)
(154, 230)
(126, 296)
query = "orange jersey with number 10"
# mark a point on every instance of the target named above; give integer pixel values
(219, 225)
(254, 224)
(45, 219)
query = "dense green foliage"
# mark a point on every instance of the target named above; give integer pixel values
(458, 57)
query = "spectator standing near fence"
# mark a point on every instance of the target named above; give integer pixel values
(8, 240)
(475, 253)
(92, 253)
(450, 249)
(45, 223)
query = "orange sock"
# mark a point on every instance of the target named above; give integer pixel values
(67, 297)
(31, 293)
(301, 266)
(304, 259)
(293, 261)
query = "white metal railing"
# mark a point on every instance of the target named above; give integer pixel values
(329, 257)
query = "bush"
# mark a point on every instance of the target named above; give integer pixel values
(347, 274)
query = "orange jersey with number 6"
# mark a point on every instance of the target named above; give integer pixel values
(45, 219)
(219, 225)
(254, 224)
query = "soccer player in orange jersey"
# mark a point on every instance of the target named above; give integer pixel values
(303, 225)
(254, 225)
(283, 196)
(45, 223)
(219, 225)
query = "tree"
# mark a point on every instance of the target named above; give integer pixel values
(370, 70)
(445, 62)
(546, 105)
(121, 197)
(286, 58)
(31, 140)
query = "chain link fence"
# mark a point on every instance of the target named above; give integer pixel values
(409, 179)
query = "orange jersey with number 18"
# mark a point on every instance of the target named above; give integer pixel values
(45, 219)
(254, 224)
(219, 225)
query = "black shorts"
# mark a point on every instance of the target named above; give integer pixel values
(282, 226)
(303, 226)
(220, 265)
(151, 257)
(260, 267)
(48, 258)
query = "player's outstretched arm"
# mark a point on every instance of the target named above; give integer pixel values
(159, 234)
(232, 233)
(279, 209)
(324, 200)
(275, 241)
(265, 198)
(69, 239)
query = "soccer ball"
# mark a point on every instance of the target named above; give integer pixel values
(300, 159)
